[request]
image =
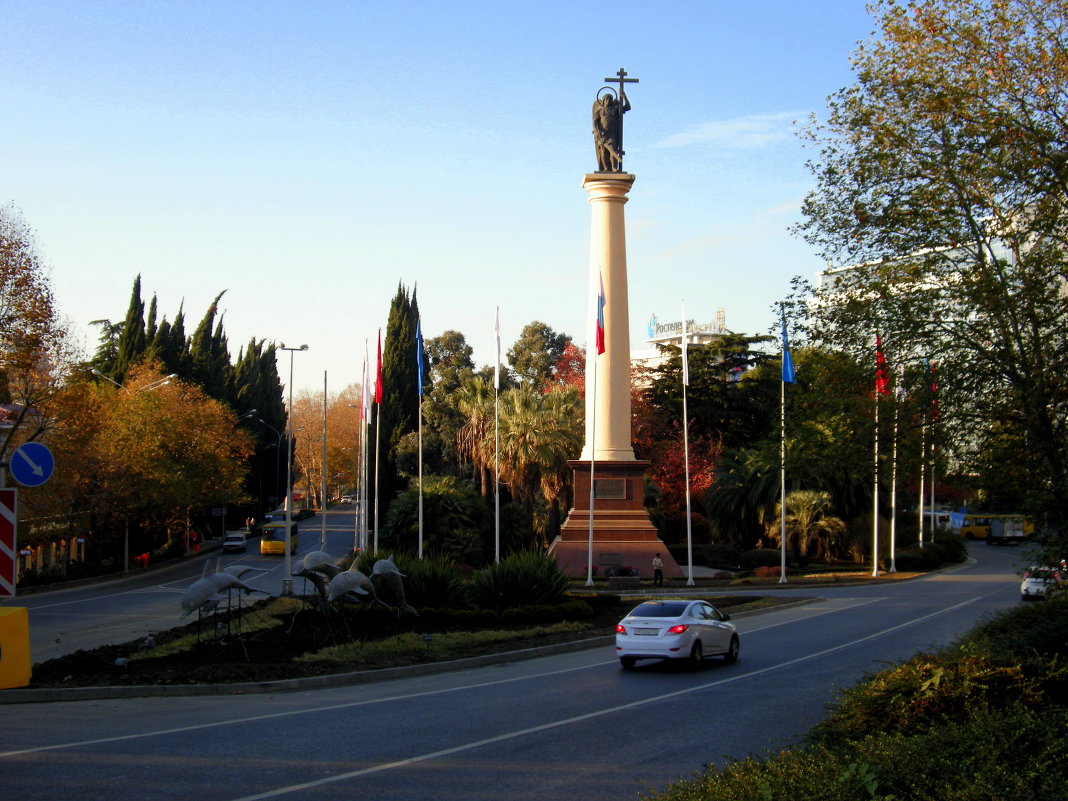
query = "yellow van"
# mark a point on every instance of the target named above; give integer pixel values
(273, 538)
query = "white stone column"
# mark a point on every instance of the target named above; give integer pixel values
(608, 257)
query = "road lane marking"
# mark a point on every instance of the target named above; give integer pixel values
(400, 763)
(480, 685)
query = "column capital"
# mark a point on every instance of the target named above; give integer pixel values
(608, 183)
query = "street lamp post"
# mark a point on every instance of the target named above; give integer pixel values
(126, 517)
(287, 579)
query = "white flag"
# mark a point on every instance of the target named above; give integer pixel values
(365, 404)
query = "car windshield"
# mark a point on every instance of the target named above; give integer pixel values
(660, 609)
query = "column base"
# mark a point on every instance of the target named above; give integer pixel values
(623, 534)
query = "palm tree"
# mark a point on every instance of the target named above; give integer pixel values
(474, 440)
(538, 433)
(808, 521)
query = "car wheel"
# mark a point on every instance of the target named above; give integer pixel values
(696, 655)
(732, 650)
(627, 662)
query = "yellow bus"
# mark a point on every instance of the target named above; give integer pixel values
(971, 526)
(273, 538)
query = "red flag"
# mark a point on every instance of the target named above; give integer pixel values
(600, 314)
(378, 371)
(882, 381)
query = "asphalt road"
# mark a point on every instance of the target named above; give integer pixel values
(571, 726)
(65, 621)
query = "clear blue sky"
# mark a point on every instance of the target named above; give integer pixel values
(307, 157)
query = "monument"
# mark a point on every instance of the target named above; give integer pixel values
(608, 526)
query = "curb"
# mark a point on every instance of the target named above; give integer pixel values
(38, 695)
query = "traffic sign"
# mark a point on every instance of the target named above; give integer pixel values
(8, 554)
(31, 464)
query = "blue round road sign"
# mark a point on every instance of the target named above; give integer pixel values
(31, 464)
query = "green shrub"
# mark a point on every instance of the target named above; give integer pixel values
(924, 691)
(948, 549)
(522, 579)
(571, 610)
(720, 554)
(1014, 752)
(761, 557)
(1024, 632)
(435, 581)
(914, 560)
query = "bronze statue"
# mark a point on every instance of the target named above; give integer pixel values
(608, 111)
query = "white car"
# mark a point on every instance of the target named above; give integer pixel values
(1039, 581)
(675, 630)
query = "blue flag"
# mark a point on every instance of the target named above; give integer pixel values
(419, 351)
(787, 360)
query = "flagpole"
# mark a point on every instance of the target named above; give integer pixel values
(378, 429)
(893, 500)
(782, 481)
(322, 476)
(365, 453)
(880, 387)
(598, 348)
(419, 359)
(923, 469)
(593, 457)
(787, 377)
(875, 496)
(686, 446)
(497, 442)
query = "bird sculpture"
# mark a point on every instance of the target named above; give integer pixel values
(318, 567)
(208, 591)
(387, 573)
(352, 582)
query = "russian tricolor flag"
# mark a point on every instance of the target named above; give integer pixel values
(600, 313)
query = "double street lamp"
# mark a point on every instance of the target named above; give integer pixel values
(154, 385)
(287, 579)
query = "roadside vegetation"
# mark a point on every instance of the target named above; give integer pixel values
(985, 719)
(521, 603)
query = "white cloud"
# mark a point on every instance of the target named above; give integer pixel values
(741, 133)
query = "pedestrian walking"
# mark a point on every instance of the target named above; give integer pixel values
(658, 570)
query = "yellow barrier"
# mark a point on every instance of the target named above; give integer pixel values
(14, 647)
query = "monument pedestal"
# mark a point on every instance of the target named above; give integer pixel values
(623, 534)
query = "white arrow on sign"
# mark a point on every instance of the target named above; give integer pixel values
(36, 468)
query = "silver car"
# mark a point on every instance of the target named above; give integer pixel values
(1038, 582)
(675, 630)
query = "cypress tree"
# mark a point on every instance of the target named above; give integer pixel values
(131, 347)
(397, 414)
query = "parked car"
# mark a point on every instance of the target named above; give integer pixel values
(675, 630)
(1039, 581)
(234, 542)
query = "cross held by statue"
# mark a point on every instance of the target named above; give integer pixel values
(621, 78)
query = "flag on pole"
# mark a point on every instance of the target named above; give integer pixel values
(378, 371)
(600, 313)
(787, 359)
(685, 358)
(882, 381)
(419, 350)
(365, 401)
(497, 336)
